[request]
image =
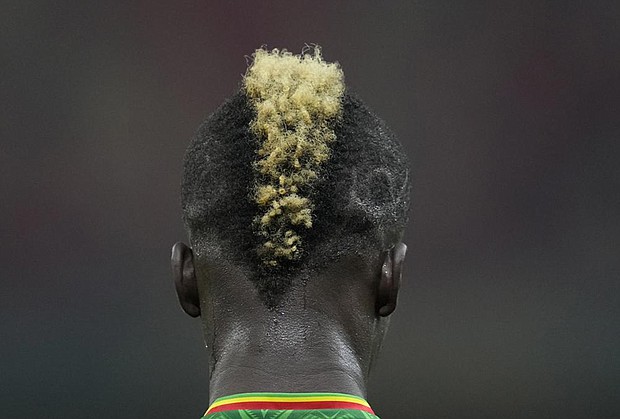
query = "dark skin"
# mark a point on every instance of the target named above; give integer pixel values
(324, 337)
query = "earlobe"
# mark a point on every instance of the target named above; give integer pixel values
(184, 275)
(389, 282)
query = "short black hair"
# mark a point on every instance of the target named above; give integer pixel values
(361, 197)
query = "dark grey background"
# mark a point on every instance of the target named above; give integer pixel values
(509, 111)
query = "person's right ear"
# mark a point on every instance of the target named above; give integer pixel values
(184, 275)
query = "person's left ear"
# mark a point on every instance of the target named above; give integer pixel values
(184, 275)
(389, 283)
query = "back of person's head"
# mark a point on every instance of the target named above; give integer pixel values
(295, 197)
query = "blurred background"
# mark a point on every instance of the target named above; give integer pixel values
(508, 110)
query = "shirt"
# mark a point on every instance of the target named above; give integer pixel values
(290, 406)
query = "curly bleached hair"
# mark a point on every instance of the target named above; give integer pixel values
(296, 100)
(291, 172)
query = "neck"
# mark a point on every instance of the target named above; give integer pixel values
(286, 356)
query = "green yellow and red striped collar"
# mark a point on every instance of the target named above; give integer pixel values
(289, 401)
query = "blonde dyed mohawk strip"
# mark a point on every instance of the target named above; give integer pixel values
(296, 99)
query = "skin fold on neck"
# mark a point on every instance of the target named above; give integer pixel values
(285, 356)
